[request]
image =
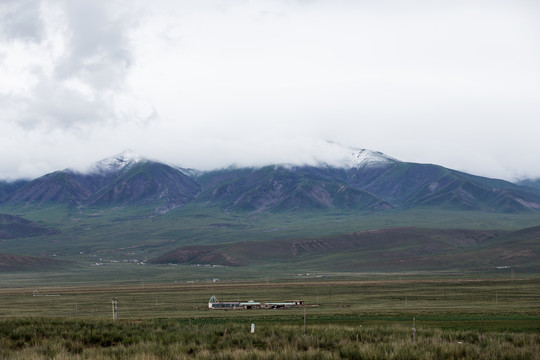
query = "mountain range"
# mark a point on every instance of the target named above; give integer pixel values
(365, 212)
(364, 181)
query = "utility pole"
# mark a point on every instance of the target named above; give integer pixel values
(115, 308)
(304, 320)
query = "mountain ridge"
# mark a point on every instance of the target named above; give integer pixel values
(364, 181)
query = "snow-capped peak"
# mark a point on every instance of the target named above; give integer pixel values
(117, 162)
(350, 157)
(364, 157)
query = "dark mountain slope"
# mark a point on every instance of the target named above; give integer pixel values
(388, 250)
(9, 262)
(63, 187)
(516, 249)
(16, 227)
(348, 251)
(279, 188)
(379, 186)
(532, 183)
(142, 182)
(396, 182)
(367, 181)
(147, 182)
(7, 188)
(411, 185)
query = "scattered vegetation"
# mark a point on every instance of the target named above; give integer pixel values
(177, 339)
(454, 319)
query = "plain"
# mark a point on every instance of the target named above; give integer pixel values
(355, 319)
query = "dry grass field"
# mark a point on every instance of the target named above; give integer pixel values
(453, 318)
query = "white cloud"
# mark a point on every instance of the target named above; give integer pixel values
(21, 19)
(209, 83)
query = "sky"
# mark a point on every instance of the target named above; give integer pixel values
(212, 83)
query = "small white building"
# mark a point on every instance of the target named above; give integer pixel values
(214, 303)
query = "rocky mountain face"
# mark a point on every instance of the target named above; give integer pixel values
(363, 181)
(277, 188)
(147, 182)
(7, 188)
(413, 185)
(534, 183)
(126, 181)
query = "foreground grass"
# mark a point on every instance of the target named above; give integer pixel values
(177, 339)
(454, 319)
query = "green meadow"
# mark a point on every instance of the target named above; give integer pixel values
(132, 232)
(352, 319)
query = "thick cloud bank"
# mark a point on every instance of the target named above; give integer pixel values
(210, 83)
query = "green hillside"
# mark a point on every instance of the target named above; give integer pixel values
(16, 227)
(398, 249)
(104, 244)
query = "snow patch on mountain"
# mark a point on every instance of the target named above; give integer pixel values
(192, 173)
(349, 157)
(117, 162)
(363, 157)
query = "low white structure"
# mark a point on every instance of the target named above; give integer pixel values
(215, 304)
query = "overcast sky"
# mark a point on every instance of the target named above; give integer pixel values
(209, 83)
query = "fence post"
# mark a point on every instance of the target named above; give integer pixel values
(115, 308)
(413, 330)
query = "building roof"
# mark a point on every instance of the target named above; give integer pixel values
(281, 303)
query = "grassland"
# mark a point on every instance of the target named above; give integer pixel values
(116, 231)
(104, 245)
(163, 314)
(355, 319)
